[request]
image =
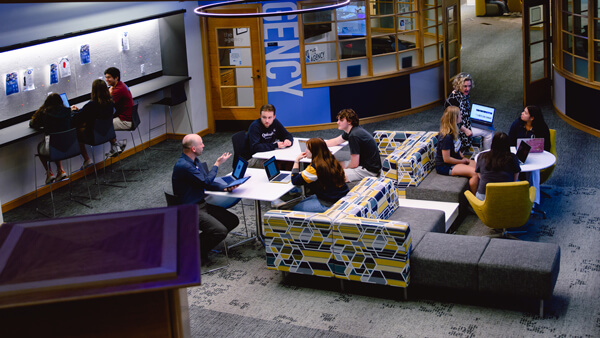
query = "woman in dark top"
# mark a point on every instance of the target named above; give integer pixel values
(496, 165)
(51, 117)
(100, 107)
(448, 158)
(325, 177)
(530, 124)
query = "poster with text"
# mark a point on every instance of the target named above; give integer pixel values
(84, 54)
(64, 66)
(53, 73)
(12, 83)
(28, 80)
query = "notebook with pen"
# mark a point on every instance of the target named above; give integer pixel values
(273, 173)
(482, 116)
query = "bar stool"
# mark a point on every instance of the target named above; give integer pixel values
(63, 146)
(177, 97)
(135, 122)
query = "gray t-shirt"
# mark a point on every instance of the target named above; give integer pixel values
(362, 143)
(507, 174)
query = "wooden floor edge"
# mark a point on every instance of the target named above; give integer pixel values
(576, 124)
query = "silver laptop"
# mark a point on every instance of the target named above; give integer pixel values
(273, 173)
(482, 116)
(302, 144)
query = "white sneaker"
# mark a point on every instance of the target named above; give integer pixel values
(123, 144)
(115, 150)
(87, 163)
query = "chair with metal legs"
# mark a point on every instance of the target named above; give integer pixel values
(103, 132)
(177, 97)
(63, 146)
(135, 122)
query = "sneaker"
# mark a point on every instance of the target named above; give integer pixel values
(87, 163)
(278, 203)
(61, 176)
(50, 178)
(115, 150)
(123, 144)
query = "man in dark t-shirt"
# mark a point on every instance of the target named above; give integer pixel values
(364, 154)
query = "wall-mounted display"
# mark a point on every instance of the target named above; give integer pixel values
(12, 83)
(28, 83)
(84, 54)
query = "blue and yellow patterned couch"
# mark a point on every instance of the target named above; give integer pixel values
(350, 241)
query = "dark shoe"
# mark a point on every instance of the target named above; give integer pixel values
(115, 150)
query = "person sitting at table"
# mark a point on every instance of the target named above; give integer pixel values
(100, 107)
(266, 134)
(496, 165)
(189, 181)
(123, 101)
(530, 124)
(51, 117)
(364, 154)
(448, 159)
(324, 176)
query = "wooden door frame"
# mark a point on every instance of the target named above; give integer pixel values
(447, 78)
(547, 36)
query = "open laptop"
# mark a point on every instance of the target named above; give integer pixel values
(65, 100)
(273, 173)
(482, 116)
(302, 144)
(537, 144)
(237, 176)
(523, 152)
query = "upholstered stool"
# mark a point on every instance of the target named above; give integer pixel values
(449, 261)
(441, 188)
(427, 220)
(519, 268)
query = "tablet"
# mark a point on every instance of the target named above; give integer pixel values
(237, 182)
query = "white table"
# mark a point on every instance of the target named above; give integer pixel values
(450, 209)
(289, 154)
(257, 188)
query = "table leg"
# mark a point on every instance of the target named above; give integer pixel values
(259, 220)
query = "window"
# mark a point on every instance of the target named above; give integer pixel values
(370, 38)
(577, 39)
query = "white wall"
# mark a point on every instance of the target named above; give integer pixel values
(28, 22)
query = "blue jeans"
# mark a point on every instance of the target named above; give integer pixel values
(310, 204)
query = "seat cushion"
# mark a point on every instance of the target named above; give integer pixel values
(441, 188)
(449, 261)
(519, 268)
(427, 220)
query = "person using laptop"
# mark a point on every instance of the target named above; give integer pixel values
(530, 124)
(325, 177)
(496, 165)
(460, 97)
(449, 159)
(266, 134)
(123, 101)
(100, 107)
(190, 180)
(51, 117)
(364, 154)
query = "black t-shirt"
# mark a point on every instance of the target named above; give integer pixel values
(506, 174)
(447, 143)
(363, 144)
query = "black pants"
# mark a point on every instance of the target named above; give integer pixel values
(215, 223)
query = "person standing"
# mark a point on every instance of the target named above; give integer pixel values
(266, 134)
(190, 180)
(123, 102)
(364, 154)
(460, 97)
(496, 165)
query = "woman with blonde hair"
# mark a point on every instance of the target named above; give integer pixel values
(324, 176)
(449, 160)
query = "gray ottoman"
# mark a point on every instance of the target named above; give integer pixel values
(441, 188)
(449, 261)
(415, 238)
(519, 268)
(427, 220)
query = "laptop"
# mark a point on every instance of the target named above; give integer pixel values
(65, 100)
(273, 173)
(482, 116)
(237, 176)
(523, 152)
(537, 144)
(302, 144)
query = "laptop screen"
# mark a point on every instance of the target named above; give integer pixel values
(271, 168)
(240, 168)
(523, 151)
(482, 114)
(63, 96)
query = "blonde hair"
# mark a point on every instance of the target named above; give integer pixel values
(460, 79)
(448, 122)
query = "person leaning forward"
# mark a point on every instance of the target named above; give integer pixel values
(190, 179)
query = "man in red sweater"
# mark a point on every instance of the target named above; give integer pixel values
(123, 106)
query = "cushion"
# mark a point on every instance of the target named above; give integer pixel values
(416, 237)
(519, 268)
(449, 261)
(441, 188)
(427, 220)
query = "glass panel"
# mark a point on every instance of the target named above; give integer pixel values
(536, 51)
(597, 10)
(581, 47)
(348, 29)
(451, 14)
(451, 31)
(568, 22)
(228, 97)
(235, 57)
(384, 64)
(354, 68)
(409, 59)
(568, 5)
(597, 51)
(382, 7)
(429, 16)
(430, 3)
(567, 42)
(406, 41)
(229, 37)
(355, 10)
(382, 24)
(536, 33)
(243, 76)
(406, 6)
(352, 49)
(320, 16)
(597, 24)
(580, 7)
(321, 72)
(319, 32)
(452, 68)
(568, 62)
(431, 53)
(245, 97)
(320, 52)
(580, 25)
(452, 47)
(440, 15)
(407, 22)
(581, 67)
(597, 72)
(537, 71)
(383, 44)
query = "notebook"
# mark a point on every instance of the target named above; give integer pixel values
(273, 173)
(523, 152)
(65, 100)
(237, 176)
(482, 116)
(536, 144)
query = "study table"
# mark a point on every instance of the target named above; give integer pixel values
(289, 154)
(22, 130)
(257, 188)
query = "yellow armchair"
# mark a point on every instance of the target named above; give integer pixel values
(546, 173)
(506, 205)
